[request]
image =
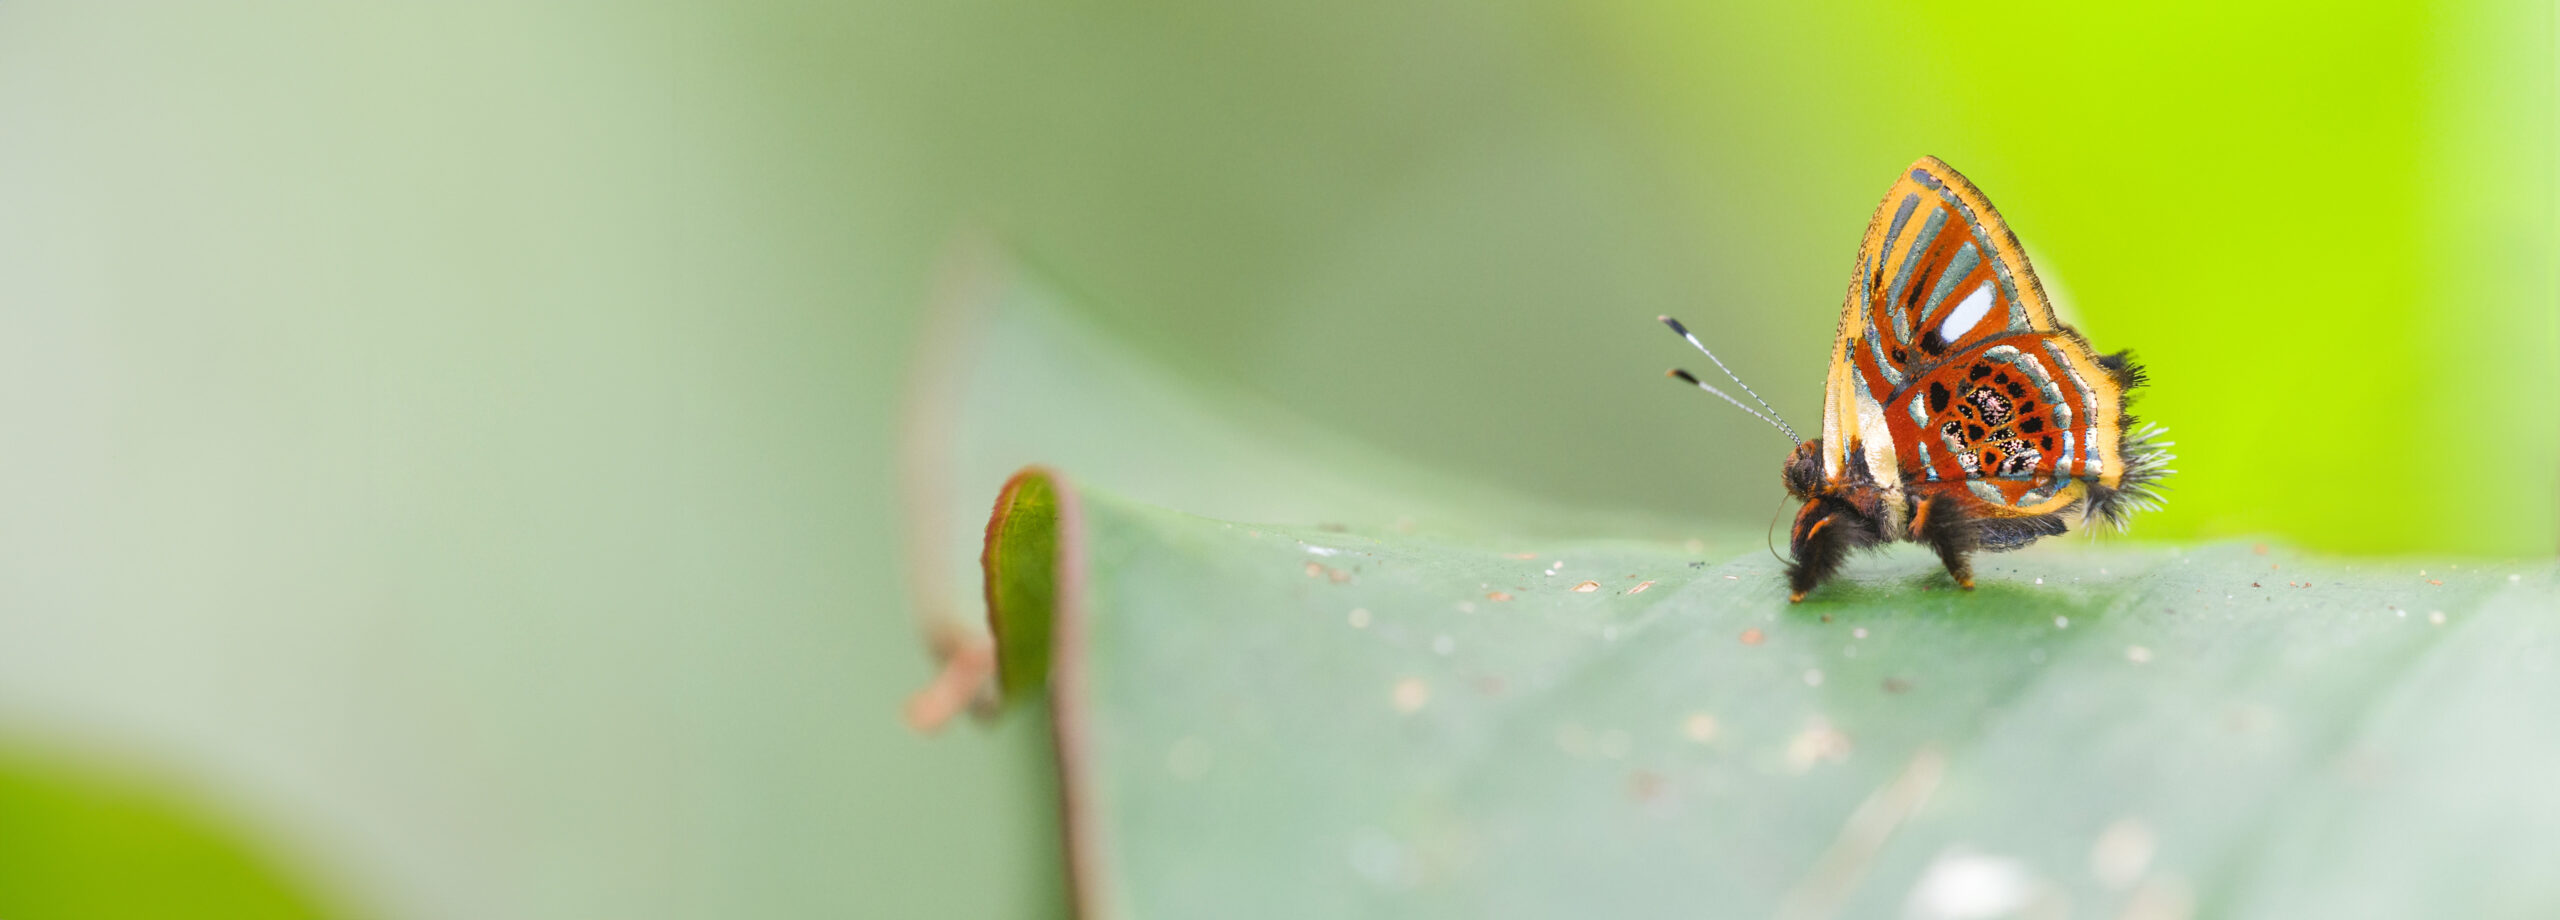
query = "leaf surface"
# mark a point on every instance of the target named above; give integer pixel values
(1292, 722)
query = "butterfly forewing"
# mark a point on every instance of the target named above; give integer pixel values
(1940, 271)
(1949, 358)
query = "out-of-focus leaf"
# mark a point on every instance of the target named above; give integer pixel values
(1022, 566)
(1298, 722)
(1008, 374)
(79, 841)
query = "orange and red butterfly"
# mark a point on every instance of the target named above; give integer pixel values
(1958, 413)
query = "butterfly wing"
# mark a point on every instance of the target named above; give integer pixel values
(2024, 422)
(1941, 289)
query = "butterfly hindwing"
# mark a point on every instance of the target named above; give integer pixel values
(2022, 421)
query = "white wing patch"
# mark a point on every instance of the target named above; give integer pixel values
(1968, 313)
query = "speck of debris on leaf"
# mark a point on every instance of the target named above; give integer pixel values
(1644, 785)
(1639, 589)
(1858, 633)
(2512, 579)
(1700, 727)
(1410, 695)
(1964, 885)
(2436, 617)
(2248, 718)
(2039, 581)
(2260, 549)
(2062, 622)
(2160, 897)
(2364, 767)
(2435, 581)
(1818, 742)
(1466, 606)
(1813, 677)
(1697, 565)
(1733, 578)
(1896, 685)
(2137, 654)
(2122, 853)
(1751, 636)
(1359, 617)
(1497, 596)
(1587, 587)
(1574, 740)
(1521, 556)
(1382, 860)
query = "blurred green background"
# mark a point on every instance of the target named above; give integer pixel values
(449, 446)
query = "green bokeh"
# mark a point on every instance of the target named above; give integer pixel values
(2328, 230)
(80, 839)
(458, 437)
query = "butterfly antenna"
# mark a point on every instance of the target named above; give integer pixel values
(1693, 380)
(1773, 416)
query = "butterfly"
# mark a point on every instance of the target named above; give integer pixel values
(1958, 412)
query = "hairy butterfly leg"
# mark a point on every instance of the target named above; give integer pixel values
(1827, 530)
(1818, 552)
(1941, 522)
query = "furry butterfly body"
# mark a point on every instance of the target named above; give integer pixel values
(1958, 412)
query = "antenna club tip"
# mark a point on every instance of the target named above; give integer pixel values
(1681, 374)
(1674, 324)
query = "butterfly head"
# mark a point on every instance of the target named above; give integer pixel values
(1840, 514)
(1803, 471)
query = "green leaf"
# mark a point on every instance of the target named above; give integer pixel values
(1298, 721)
(1412, 717)
(82, 838)
(1022, 579)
